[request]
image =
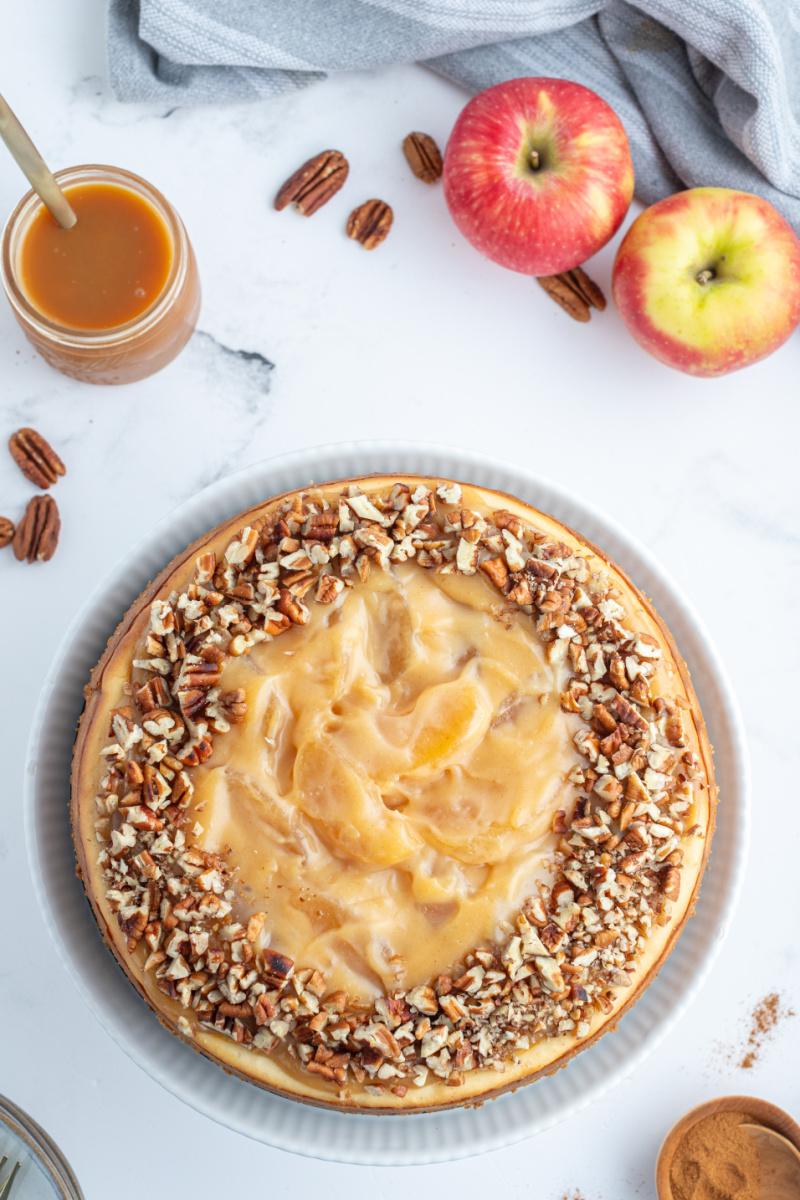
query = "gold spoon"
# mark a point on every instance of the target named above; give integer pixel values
(34, 167)
(780, 1164)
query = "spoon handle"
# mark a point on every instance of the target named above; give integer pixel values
(34, 167)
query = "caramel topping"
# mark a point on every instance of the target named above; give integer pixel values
(388, 800)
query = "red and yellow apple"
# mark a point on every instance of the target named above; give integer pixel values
(538, 174)
(708, 280)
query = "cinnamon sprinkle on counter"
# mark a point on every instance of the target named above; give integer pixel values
(763, 1021)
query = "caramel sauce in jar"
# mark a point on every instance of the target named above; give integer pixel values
(116, 297)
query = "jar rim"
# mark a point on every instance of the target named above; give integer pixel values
(16, 227)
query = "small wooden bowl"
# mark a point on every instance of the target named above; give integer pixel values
(761, 1111)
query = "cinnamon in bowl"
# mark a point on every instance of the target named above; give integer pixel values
(707, 1155)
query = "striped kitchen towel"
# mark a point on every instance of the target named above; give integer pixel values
(708, 90)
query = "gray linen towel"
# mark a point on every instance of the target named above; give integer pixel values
(708, 90)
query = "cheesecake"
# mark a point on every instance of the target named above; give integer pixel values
(391, 794)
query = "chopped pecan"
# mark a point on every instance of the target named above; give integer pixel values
(205, 566)
(191, 700)
(627, 713)
(153, 694)
(133, 928)
(35, 457)
(225, 1009)
(318, 1068)
(255, 925)
(635, 789)
(423, 156)
(197, 752)
(278, 964)
(314, 183)
(617, 673)
(604, 719)
(497, 571)
(521, 591)
(370, 223)
(264, 1010)
(552, 937)
(234, 705)
(322, 527)
(540, 569)
(6, 531)
(164, 723)
(36, 536)
(674, 730)
(328, 588)
(671, 885)
(293, 609)
(504, 519)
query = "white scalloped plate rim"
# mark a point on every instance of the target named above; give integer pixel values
(286, 1124)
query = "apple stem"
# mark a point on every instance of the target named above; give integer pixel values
(705, 276)
(534, 158)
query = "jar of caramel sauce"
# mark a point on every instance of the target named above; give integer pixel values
(116, 297)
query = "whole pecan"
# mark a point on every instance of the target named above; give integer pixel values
(6, 531)
(574, 291)
(36, 536)
(370, 223)
(581, 282)
(424, 157)
(314, 183)
(35, 457)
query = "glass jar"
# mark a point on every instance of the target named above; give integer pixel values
(123, 353)
(44, 1173)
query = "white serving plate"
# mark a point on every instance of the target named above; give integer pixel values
(287, 1124)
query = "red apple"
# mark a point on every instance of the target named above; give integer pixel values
(708, 280)
(538, 174)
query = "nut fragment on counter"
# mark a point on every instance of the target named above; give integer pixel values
(36, 536)
(314, 183)
(574, 291)
(370, 223)
(35, 457)
(423, 156)
(6, 531)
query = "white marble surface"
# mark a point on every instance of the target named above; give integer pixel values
(421, 338)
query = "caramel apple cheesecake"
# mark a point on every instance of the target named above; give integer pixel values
(391, 794)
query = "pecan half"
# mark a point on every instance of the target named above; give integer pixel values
(35, 457)
(559, 290)
(36, 536)
(423, 156)
(574, 291)
(370, 223)
(6, 531)
(234, 705)
(314, 183)
(586, 287)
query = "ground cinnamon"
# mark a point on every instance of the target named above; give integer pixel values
(716, 1160)
(765, 1016)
